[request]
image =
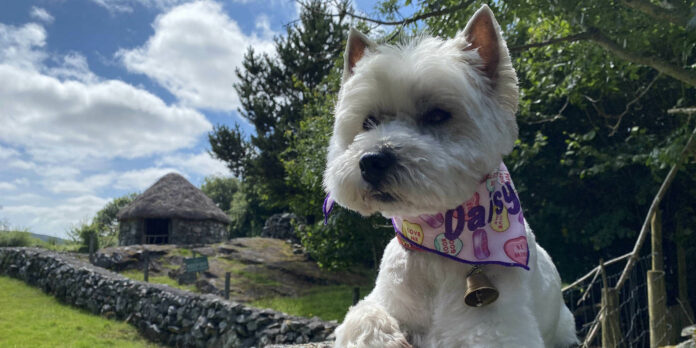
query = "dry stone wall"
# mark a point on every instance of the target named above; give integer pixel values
(171, 316)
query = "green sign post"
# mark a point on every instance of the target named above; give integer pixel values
(196, 264)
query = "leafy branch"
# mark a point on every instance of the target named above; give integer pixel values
(343, 12)
(678, 17)
(596, 36)
(592, 34)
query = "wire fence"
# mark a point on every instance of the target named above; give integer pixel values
(584, 298)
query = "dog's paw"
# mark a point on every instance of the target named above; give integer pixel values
(368, 325)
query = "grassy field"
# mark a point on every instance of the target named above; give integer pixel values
(138, 275)
(326, 302)
(30, 318)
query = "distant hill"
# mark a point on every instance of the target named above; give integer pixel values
(46, 238)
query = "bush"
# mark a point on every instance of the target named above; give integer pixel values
(348, 239)
(83, 233)
(17, 239)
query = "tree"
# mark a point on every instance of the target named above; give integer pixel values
(105, 220)
(221, 190)
(272, 94)
(348, 239)
(228, 193)
(103, 226)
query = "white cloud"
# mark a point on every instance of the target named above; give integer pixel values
(6, 153)
(7, 186)
(53, 219)
(66, 114)
(83, 185)
(21, 164)
(18, 45)
(202, 164)
(20, 198)
(131, 181)
(73, 66)
(21, 182)
(127, 6)
(41, 14)
(139, 180)
(58, 121)
(194, 52)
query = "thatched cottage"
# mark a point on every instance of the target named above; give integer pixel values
(172, 211)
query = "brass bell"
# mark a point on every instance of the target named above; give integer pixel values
(479, 290)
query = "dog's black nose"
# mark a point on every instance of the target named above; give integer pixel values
(374, 165)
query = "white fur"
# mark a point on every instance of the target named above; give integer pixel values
(419, 296)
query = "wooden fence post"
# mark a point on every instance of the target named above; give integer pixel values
(91, 248)
(227, 285)
(611, 329)
(681, 281)
(657, 297)
(146, 271)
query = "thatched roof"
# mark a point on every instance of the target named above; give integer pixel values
(173, 196)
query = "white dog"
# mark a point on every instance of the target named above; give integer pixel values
(421, 128)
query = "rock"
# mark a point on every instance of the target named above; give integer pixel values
(151, 332)
(173, 329)
(280, 226)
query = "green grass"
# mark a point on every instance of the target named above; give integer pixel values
(182, 252)
(244, 276)
(326, 302)
(22, 238)
(30, 318)
(138, 275)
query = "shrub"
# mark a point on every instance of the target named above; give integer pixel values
(83, 233)
(17, 239)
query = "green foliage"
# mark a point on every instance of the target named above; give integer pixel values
(103, 227)
(84, 234)
(272, 91)
(229, 193)
(31, 318)
(105, 221)
(243, 221)
(347, 239)
(11, 236)
(17, 239)
(221, 190)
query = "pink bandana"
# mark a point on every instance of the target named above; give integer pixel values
(487, 229)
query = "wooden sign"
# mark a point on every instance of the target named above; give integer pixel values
(196, 264)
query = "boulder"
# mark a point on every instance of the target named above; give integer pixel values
(280, 226)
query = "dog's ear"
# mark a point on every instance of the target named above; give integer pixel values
(483, 33)
(358, 43)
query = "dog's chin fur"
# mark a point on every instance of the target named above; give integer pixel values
(439, 166)
(418, 296)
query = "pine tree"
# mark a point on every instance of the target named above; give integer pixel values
(273, 92)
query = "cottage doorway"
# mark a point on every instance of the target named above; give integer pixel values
(157, 231)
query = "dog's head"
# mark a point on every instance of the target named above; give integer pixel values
(418, 126)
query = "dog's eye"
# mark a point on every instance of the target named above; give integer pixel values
(436, 116)
(370, 122)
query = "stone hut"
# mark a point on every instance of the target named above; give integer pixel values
(172, 211)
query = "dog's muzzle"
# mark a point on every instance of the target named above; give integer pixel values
(374, 166)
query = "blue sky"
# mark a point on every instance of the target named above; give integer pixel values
(100, 98)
